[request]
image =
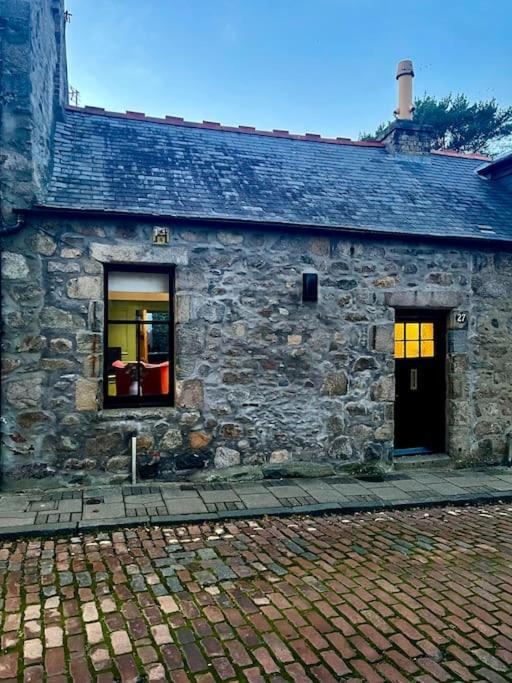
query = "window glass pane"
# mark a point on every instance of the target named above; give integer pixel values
(412, 331)
(154, 351)
(399, 331)
(122, 370)
(131, 295)
(399, 349)
(427, 349)
(427, 330)
(412, 349)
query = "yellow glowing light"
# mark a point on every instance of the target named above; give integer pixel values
(427, 331)
(414, 340)
(412, 331)
(412, 349)
(427, 348)
(399, 349)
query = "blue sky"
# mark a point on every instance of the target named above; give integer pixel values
(318, 66)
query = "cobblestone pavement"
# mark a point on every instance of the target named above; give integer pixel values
(89, 509)
(395, 596)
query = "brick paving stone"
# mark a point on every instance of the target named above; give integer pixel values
(120, 642)
(195, 660)
(8, 665)
(54, 636)
(79, 671)
(262, 655)
(34, 674)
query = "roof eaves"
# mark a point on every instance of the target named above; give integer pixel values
(500, 162)
(261, 224)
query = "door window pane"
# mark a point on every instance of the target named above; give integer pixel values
(427, 348)
(399, 349)
(412, 331)
(412, 349)
(414, 340)
(427, 330)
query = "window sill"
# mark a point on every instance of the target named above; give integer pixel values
(133, 413)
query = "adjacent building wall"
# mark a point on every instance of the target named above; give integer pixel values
(258, 370)
(33, 89)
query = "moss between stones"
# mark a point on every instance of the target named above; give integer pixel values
(366, 471)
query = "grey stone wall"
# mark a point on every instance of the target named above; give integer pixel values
(258, 371)
(408, 137)
(33, 89)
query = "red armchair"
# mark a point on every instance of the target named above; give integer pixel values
(154, 378)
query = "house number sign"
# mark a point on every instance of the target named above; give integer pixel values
(459, 320)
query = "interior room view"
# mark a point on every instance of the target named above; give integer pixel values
(138, 339)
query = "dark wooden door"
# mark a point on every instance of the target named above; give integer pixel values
(420, 398)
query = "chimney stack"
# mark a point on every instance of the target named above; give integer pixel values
(404, 76)
(404, 136)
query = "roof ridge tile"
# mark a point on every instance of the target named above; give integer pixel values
(251, 130)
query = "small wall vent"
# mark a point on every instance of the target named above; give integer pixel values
(309, 287)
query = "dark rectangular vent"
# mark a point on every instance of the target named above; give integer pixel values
(309, 287)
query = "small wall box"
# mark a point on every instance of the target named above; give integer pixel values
(309, 287)
(160, 236)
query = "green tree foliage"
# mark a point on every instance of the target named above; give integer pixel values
(459, 124)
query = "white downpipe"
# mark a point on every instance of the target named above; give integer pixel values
(134, 459)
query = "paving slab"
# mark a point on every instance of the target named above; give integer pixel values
(286, 491)
(249, 489)
(185, 506)
(18, 520)
(104, 511)
(148, 499)
(350, 489)
(447, 489)
(73, 505)
(327, 495)
(176, 494)
(227, 496)
(391, 493)
(265, 500)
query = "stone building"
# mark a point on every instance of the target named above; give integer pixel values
(234, 296)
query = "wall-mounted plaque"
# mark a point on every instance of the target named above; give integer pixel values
(160, 236)
(459, 320)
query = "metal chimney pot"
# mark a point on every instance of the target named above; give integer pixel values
(404, 76)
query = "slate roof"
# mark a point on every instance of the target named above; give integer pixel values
(117, 163)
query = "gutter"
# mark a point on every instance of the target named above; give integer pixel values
(260, 225)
